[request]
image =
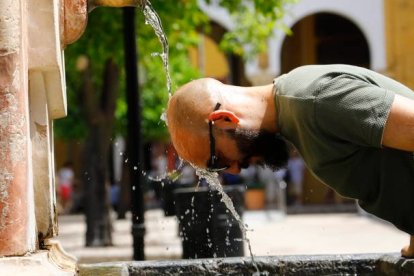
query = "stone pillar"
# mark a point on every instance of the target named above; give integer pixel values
(17, 230)
(41, 134)
(47, 101)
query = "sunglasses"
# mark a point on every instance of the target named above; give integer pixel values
(212, 165)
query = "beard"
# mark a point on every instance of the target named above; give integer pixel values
(272, 149)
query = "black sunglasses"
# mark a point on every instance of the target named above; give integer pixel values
(212, 162)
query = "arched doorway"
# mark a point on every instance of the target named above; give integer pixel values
(323, 38)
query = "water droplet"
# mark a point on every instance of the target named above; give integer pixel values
(164, 117)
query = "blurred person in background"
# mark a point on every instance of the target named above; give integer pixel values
(295, 172)
(66, 178)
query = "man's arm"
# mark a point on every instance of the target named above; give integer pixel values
(399, 128)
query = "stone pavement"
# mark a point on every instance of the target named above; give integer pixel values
(272, 233)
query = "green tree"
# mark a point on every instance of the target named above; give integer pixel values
(95, 80)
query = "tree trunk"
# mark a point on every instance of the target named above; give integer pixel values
(99, 111)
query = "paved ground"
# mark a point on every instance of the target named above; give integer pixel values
(272, 233)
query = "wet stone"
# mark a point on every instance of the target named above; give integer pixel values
(358, 264)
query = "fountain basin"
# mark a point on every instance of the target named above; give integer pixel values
(344, 264)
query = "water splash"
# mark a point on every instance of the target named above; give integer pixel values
(152, 18)
(163, 118)
(172, 175)
(213, 181)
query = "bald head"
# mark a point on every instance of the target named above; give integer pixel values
(249, 109)
(190, 104)
(187, 115)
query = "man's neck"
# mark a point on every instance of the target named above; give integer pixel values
(258, 107)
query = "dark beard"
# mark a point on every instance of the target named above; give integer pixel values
(272, 148)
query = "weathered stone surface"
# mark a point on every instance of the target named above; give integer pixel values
(361, 264)
(37, 264)
(15, 235)
(104, 269)
(288, 265)
(74, 17)
(42, 158)
(45, 55)
(393, 265)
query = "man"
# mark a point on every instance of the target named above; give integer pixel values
(353, 127)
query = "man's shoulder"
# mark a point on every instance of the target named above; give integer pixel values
(299, 83)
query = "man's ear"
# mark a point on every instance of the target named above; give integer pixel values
(223, 117)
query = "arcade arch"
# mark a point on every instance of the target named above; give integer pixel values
(324, 38)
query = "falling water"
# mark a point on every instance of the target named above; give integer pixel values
(152, 18)
(213, 181)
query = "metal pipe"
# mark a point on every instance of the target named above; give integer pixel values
(115, 3)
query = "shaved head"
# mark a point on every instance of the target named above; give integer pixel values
(187, 116)
(188, 107)
(244, 125)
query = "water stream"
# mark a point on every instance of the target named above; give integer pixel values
(152, 18)
(213, 181)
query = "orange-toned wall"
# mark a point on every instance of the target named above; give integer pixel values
(399, 20)
(209, 59)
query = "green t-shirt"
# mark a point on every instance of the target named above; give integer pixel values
(335, 116)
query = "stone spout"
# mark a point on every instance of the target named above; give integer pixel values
(73, 20)
(115, 3)
(74, 15)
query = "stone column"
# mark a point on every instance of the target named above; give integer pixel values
(47, 101)
(17, 230)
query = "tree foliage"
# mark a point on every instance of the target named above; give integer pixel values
(256, 21)
(182, 21)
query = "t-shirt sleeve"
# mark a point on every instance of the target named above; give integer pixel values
(350, 109)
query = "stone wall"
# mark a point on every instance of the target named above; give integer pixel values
(364, 264)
